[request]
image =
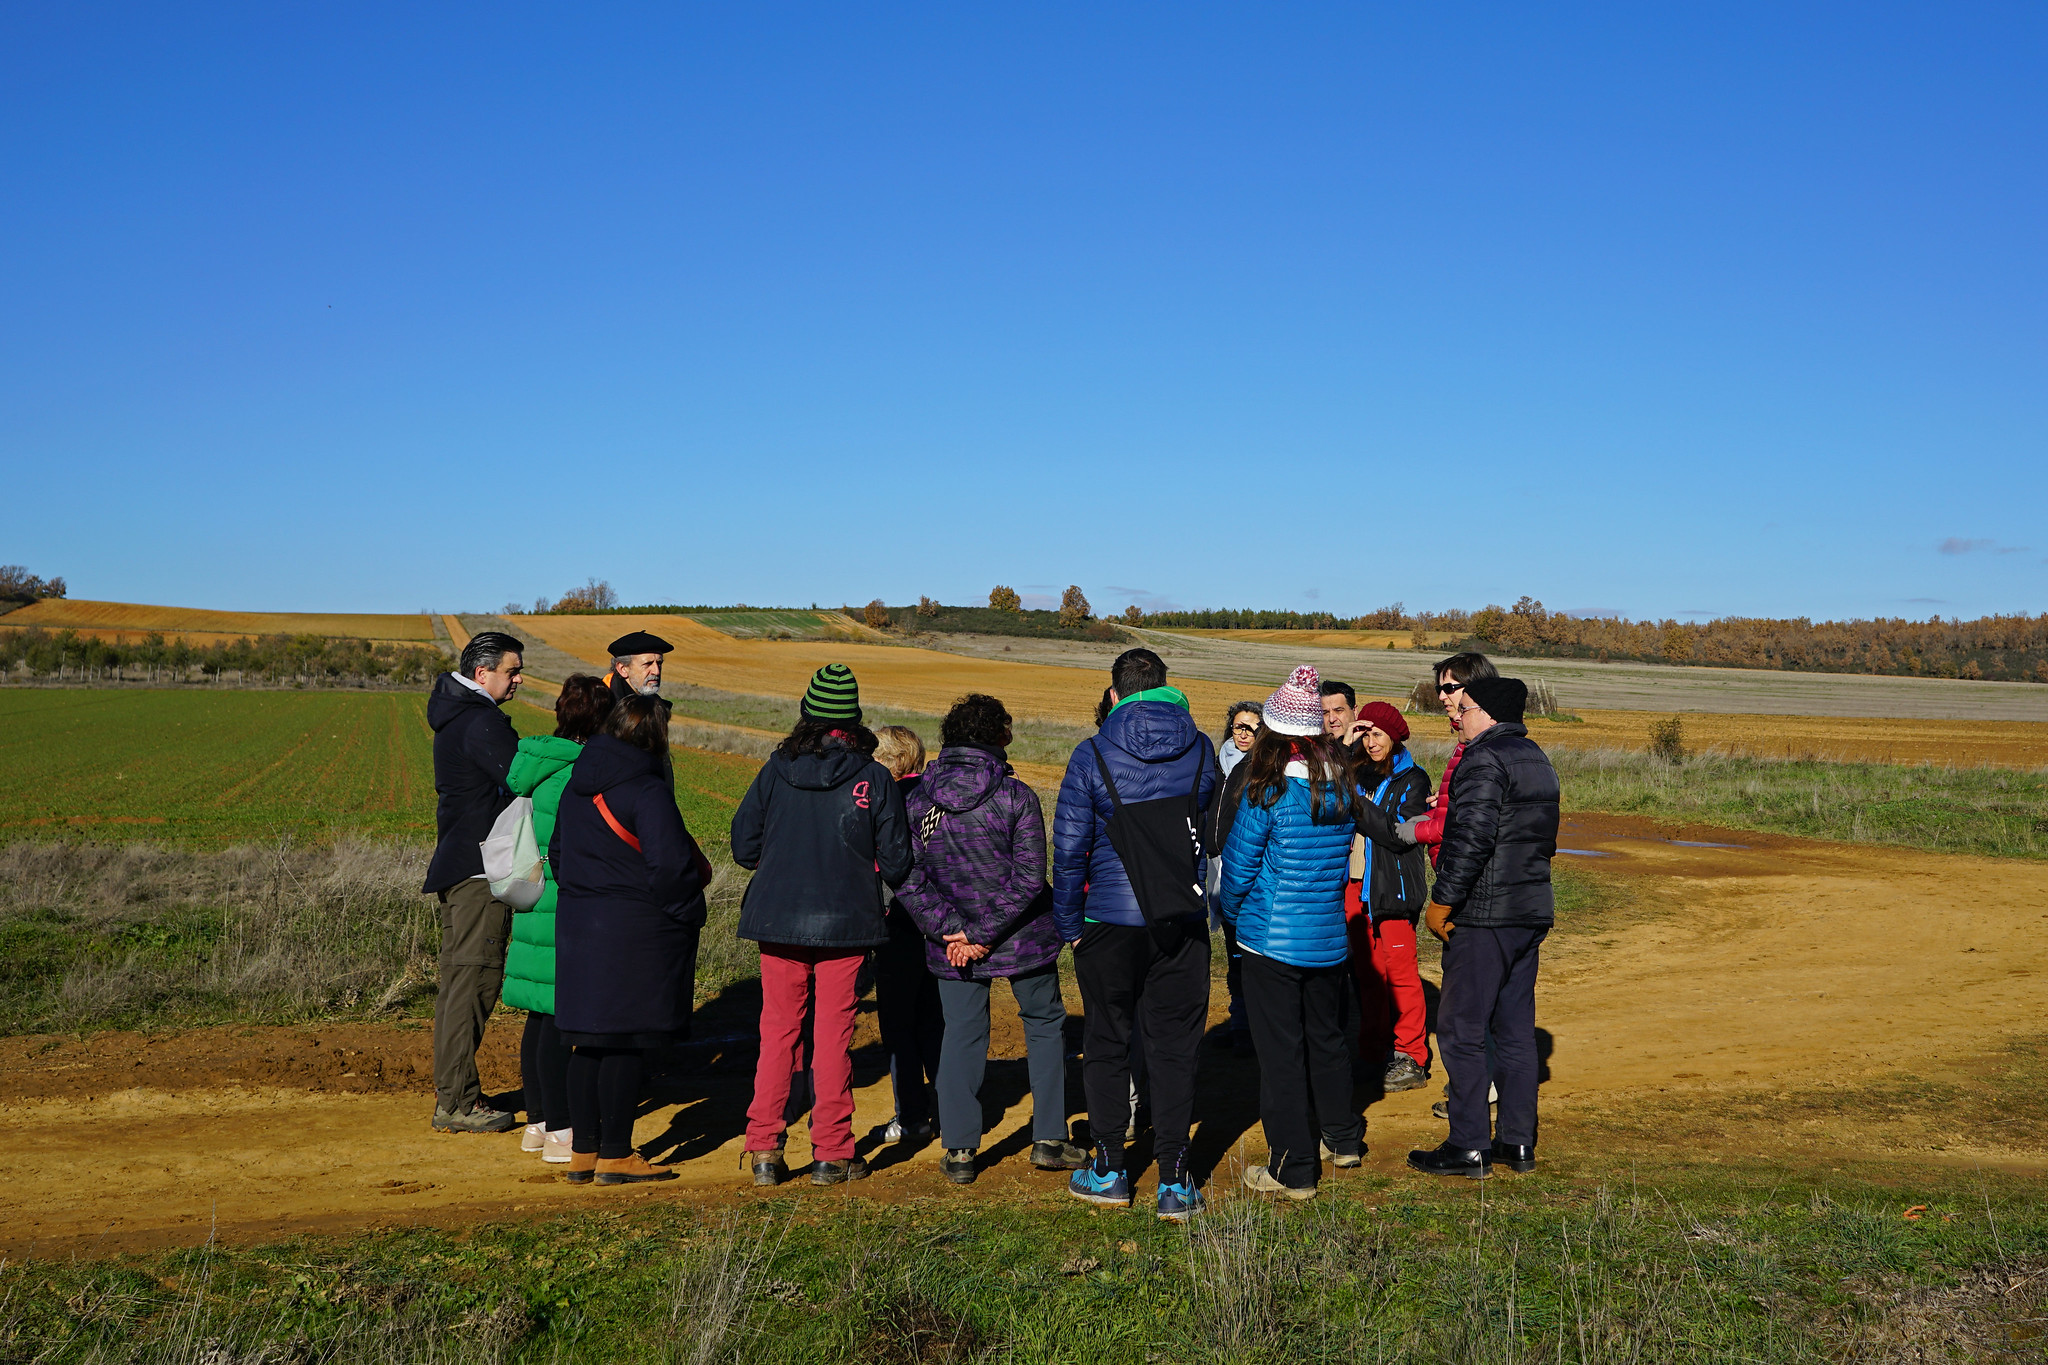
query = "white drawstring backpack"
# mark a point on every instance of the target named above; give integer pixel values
(512, 857)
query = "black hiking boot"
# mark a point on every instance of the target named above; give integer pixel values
(958, 1166)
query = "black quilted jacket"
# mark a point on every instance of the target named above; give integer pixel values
(1493, 869)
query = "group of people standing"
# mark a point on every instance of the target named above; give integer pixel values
(1305, 836)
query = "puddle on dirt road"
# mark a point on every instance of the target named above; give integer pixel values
(1698, 843)
(1587, 852)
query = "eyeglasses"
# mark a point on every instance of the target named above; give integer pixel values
(1445, 689)
(1244, 729)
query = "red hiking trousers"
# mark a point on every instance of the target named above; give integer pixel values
(792, 979)
(1391, 1012)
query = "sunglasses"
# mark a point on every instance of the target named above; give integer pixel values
(1244, 729)
(1445, 689)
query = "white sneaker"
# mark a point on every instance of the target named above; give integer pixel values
(895, 1130)
(531, 1139)
(554, 1147)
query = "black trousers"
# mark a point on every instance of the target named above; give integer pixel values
(1297, 1018)
(1490, 981)
(912, 1021)
(604, 1090)
(544, 1072)
(1126, 977)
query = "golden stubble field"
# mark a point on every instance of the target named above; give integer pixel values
(130, 622)
(926, 680)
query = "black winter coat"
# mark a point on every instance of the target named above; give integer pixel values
(1398, 886)
(474, 745)
(823, 834)
(1493, 867)
(626, 920)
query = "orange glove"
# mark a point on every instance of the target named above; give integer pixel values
(1438, 920)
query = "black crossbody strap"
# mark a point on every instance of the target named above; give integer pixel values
(1116, 802)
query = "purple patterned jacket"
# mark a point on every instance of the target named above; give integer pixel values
(979, 839)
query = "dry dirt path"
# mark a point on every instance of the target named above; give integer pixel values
(1723, 975)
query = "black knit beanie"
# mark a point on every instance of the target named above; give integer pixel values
(1501, 698)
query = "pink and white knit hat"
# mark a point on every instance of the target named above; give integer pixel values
(1296, 706)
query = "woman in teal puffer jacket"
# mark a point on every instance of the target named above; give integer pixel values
(541, 771)
(1284, 868)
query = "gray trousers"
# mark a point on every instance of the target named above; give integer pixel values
(475, 927)
(963, 1056)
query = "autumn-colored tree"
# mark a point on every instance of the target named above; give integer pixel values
(1074, 608)
(595, 595)
(1132, 616)
(927, 606)
(1001, 598)
(19, 585)
(875, 614)
(1488, 623)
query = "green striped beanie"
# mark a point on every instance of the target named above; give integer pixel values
(832, 695)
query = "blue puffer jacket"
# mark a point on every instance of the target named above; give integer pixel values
(1283, 878)
(1153, 749)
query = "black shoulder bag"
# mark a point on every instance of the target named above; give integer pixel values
(1159, 843)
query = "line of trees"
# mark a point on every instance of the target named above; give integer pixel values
(1998, 648)
(316, 659)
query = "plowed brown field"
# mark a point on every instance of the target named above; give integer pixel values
(926, 680)
(127, 622)
(1770, 977)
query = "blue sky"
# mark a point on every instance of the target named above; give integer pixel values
(1724, 310)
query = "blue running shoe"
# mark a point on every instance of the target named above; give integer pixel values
(1101, 1187)
(1180, 1202)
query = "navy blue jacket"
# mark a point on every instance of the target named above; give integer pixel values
(822, 833)
(1283, 876)
(474, 744)
(1153, 749)
(626, 921)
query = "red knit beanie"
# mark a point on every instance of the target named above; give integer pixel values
(1387, 718)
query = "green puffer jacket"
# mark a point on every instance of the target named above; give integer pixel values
(541, 771)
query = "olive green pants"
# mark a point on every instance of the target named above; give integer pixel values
(475, 927)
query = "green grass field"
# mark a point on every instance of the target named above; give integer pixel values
(1688, 1265)
(210, 769)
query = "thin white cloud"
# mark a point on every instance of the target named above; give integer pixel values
(1960, 545)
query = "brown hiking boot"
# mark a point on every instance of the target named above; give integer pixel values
(769, 1167)
(838, 1172)
(634, 1169)
(582, 1166)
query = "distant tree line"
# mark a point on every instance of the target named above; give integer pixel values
(2004, 648)
(1386, 618)
(315, 659)
(19, 587)
(2001, 648)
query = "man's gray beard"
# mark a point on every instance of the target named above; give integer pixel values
(649, 689)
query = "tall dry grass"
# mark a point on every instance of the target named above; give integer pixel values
(124, 936)
(106, 935)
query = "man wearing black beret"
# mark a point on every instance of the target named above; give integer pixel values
(1492, 906)
(636, 664)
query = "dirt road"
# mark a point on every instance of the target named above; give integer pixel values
(1722, 981)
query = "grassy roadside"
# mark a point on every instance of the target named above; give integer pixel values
(1701, 1264)
(1993, 812)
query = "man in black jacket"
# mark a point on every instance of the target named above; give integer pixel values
(474, 744)
(1492, 906)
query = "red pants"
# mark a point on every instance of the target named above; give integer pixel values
(1391, 1011)
(792, 979)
